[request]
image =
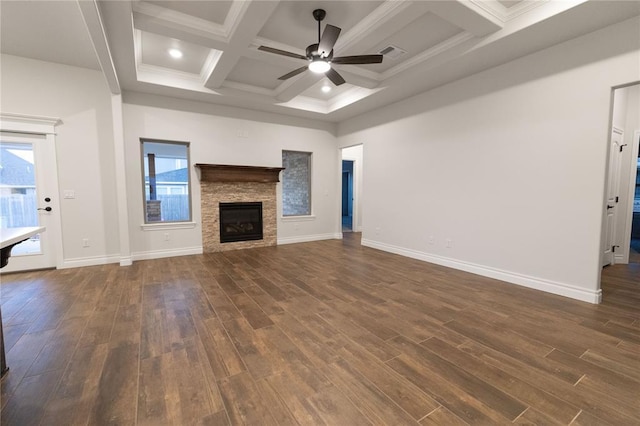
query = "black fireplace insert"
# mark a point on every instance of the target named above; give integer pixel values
(240, 222)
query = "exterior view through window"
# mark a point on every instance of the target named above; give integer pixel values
(167, 195)
(296, 183)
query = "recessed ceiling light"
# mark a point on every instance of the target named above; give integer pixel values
(326, 88)
(175, 53)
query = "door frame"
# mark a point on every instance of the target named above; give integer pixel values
(635, 147)
(354, 206)
(41, 126)
(610, 218)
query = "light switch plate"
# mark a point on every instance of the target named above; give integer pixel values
(69, 193)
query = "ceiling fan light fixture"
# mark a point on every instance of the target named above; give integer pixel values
(319, 66)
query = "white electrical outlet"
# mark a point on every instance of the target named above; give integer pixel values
(449, 243)
(431, 240)
(85, 242)
(166, 236)
(69, 194)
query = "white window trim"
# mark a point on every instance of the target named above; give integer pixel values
(300, 218)
(167, 225)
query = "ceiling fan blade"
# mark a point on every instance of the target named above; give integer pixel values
(328, 39)
(334, 77)
(293, 73)
(281, 52)
(356, 60)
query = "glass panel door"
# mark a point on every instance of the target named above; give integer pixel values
(27, 171)
(18, 198)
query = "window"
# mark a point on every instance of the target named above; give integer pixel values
(296, 183)
(166, 181)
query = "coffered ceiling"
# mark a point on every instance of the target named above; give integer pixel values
(430, 43)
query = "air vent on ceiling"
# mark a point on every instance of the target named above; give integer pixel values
(392, 52)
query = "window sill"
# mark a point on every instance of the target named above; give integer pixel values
(167, 225)
(297, 218)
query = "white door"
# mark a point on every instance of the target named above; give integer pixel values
(28, 197)
(613, 184)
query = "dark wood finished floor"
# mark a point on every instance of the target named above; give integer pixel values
(317, 333)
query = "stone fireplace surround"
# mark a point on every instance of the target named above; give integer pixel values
(221, 183)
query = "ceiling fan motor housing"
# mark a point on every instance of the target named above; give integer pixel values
(313, 54)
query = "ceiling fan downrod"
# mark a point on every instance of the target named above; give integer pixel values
(319, 15)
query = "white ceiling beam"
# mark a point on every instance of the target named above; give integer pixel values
(468, 16)
(243, 30)
(296, 85)
(170, 23)
(93, 21)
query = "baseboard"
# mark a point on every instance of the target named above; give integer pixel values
(548, 286)
(309, 238)
(620, 258)
(79, 262)
(159, 254)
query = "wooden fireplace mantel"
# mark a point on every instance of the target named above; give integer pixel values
(231, 173)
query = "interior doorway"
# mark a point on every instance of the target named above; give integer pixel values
(351, 167)
(634, 239)
(621, 224)
(347, 195)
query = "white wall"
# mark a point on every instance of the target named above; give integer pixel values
(354, 153)
(508, 164)
(84, 148)
(227, 136)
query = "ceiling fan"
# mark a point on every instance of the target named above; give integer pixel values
(320, 55)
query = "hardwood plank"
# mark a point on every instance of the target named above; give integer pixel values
(268, 304)
(151, 335)
(20, 358)
(152, 408)
(251, 311)
(76, 392)
(194, 399)
(334, 408)
(606, 381)
(586, 419)
(442, 416)
(243, 401)
(533, 417)
(12, 334)
(516, 349)
(374, 344)
(485, 392)
(222, 355)
(293, 394)
(117, 387)
(309, 342)
(616, 360)
(404, 393)
(370, 400)
(252, 349)
(26, 406)
(544, 402)
(270, 288)
(597, 403)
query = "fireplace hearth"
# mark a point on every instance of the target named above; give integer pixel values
(240, 222)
